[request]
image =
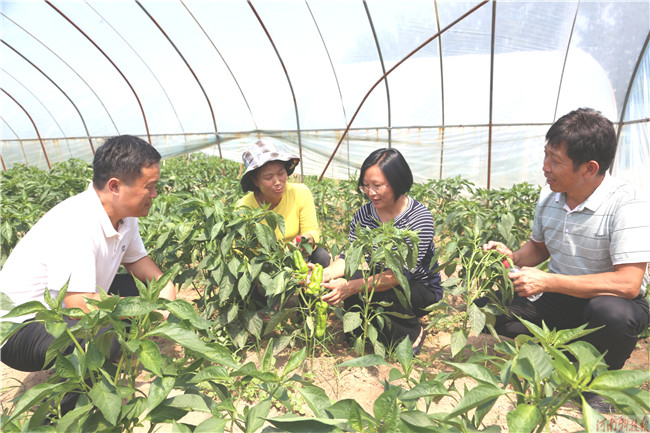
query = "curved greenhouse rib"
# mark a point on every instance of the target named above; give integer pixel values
(214, 122)
(442, 91)
(347, 128)
(144, 117)
(293, 94)
(58, 87)
(34, 124)
(383, 69)
(566, 56)
(491, 97)
(143, 62)
(224, 62)
(621, 121)
(70, 67)
(22, 148)
(336, 78)
(42, 105)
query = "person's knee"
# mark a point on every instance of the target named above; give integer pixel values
(616, 315)
(320, 256)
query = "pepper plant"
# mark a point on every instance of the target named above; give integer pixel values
(385, 248)
(108, 396)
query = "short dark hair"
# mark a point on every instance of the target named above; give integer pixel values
(122, 157)
(394, 166)
(588, 136)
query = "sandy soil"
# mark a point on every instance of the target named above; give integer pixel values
(361, 384)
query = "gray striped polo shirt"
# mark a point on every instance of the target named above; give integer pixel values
(611, 227)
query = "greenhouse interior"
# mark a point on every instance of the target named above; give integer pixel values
(461, 88)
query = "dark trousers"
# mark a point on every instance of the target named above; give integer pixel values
(398, 328)
(26, 349)
(623, 320)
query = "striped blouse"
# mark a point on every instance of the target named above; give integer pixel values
(415, 217)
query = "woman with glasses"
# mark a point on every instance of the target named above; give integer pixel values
(386, 178)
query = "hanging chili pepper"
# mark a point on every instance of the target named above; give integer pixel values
(316, 279)
(321, 318)
(299, 262)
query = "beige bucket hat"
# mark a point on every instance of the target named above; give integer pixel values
(259, 154)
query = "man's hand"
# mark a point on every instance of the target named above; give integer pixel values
(500, 247)
(529, 281)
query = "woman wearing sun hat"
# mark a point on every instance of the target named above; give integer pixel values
(265, 181)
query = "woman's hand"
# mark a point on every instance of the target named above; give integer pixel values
(340, 289)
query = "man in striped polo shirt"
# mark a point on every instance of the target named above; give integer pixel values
(596, 232)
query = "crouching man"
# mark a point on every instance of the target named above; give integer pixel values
(83, 240)
(596, 232)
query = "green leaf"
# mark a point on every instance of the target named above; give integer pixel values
(189, 402)
(315, 397)
(244, 285)
(30, 307)
(524, 418)
(477, 372)
(150, 357)
(180, 428)
(351, 321)
(213, 372)
(618, 380)
(475, 397)
(476, 319)
(256, 415)
(159, 390)
(458, 342)
(404, 353)
(427, 388)
(6, 303)
(106, 398)
(132, 306)
(211, 425)
(295, 362)
(365, 361)
(64, 367)
(94, 357)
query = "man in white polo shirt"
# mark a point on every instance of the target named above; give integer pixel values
(596, 232)
(83, 240)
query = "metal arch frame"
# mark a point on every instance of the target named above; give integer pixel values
(566, 57)
(621, 121)
(47, 160)
(491, 99)
(58, 87)
(425, 43)
(155, 77)
(17, 138)
(214, 122)
(442, 90)
(383, 70)
(286, 73)
(223, 60)
(144, 117)
(42, 105)
(336, 78)
(69, 67)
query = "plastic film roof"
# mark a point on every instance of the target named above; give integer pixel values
(476, 101)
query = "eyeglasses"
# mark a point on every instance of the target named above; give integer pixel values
(376, 189)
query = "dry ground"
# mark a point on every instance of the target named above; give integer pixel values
(361, 384)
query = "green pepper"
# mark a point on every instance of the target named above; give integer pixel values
(299, 262)
(321, 318)
(316, 279)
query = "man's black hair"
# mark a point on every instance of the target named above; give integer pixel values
(122, 157)
(394, 166)
(588, 135)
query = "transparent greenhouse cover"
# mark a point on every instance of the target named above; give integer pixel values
(216, 76)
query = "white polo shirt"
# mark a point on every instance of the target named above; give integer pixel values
(75, 240)
(610, 228)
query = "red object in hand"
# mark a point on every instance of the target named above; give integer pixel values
(298, 239)
(506, 264)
